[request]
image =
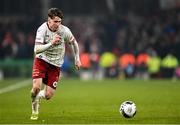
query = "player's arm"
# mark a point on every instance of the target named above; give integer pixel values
(75, 50)
(39, 48)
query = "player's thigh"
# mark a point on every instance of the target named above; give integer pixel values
(37, 83)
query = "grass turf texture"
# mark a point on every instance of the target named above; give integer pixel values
(96, 102)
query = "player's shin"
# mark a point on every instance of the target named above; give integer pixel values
(35, 110)
(33, 96)
(35, 105)
(34, 93)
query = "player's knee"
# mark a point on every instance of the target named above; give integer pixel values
(36, 86)
(33, 94)
(48, 95)
(35, 90)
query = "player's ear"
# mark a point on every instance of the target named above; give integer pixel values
(49, 19)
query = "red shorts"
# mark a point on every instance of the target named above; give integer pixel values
(49, 73)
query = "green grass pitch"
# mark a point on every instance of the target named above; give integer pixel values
(95, 102)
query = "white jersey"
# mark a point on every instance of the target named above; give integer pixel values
(55, 54)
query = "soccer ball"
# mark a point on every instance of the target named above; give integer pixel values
(128, 109)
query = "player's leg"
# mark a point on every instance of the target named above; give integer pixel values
(38, 74)
(35, 101)
(46, 93)
(36, 88)
(50, 83)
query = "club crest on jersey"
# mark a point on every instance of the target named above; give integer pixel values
(40, 56)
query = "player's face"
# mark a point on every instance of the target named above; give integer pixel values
(54, 23)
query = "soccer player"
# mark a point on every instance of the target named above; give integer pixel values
(49, 49)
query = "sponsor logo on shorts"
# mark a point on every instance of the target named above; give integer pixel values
(55, 84)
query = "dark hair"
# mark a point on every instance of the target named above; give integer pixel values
(52, 12)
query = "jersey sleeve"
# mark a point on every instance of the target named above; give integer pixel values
(69, 37)
(40, 34)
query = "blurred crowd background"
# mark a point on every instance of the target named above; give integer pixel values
(117, 38)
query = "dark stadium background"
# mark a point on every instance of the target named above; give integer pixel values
(130, 50)
(116, 26)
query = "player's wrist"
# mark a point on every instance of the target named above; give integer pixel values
(77, 58)
(52, 42)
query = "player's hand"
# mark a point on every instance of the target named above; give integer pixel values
(78, 64)
(55, 39)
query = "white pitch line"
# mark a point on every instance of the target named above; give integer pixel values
(15, 86)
